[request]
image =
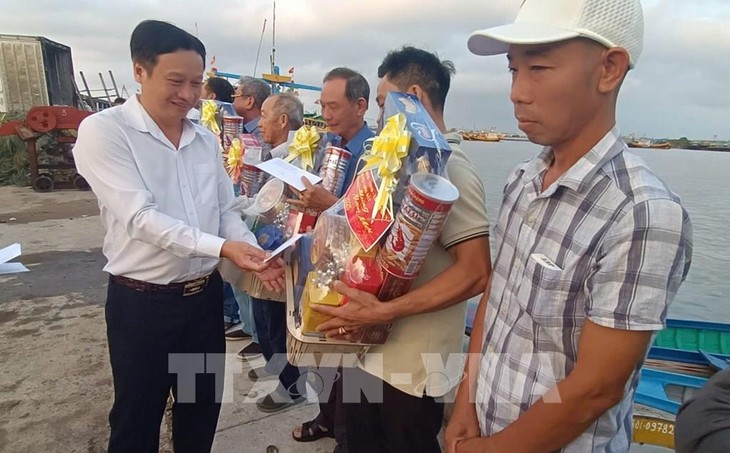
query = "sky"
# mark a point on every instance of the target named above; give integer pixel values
(678, 88)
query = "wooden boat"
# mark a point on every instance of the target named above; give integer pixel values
(648, 144)
(490, 136)
(688, 335)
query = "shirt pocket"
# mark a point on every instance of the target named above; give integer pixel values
(206, 181)
(545, 296)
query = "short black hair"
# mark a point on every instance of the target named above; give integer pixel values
(221, 87)
(119, 101)
(152, 38)
(356, 86)
(412, 66)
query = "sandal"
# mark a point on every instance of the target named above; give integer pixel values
(312, 431)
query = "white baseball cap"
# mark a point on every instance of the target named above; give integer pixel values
(613, 23)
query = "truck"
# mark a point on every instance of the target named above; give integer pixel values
(35, 71)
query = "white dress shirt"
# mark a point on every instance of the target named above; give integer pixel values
(166, 211)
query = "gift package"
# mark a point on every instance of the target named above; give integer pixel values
(377, 237)
(272, 220)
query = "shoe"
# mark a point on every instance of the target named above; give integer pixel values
(275, 402)
(311, 431)
(236, 333)
(250, 352)
(259, 374)
(227, 325)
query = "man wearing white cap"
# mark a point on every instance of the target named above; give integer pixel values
(591, 245)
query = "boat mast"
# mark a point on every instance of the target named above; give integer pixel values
(273, 42)
(258, 51)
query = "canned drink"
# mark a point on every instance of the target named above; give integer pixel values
(417, 225)
(333, 170)
(232, 128)
(252, 180)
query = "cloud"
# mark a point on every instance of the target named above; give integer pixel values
(677, 88)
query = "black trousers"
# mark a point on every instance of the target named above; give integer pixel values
(270, 319)
(151, 334)
(332, 412)
(396, 423)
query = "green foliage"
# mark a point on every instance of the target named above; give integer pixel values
(14, 167)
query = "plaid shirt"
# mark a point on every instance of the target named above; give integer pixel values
(609, 242)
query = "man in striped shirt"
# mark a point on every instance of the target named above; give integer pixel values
(591, 245)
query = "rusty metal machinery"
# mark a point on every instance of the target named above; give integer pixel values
(63, 122)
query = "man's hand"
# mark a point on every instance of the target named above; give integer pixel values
(245, 256)
(273, 277)
(361, 310)
(463, 423)
(312, 197)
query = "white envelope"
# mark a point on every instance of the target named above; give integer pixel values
(7, 254)
(290, 174)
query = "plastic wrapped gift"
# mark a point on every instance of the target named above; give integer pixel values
(235, 162)
(232, 128)
(317, 153)
(368, 240)
(273, 223)
(252, 178)
(212, 113)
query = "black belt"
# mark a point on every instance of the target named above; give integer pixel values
(188, 288)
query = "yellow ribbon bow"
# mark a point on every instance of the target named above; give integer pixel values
(208, 113)
(387, 153)
(235, 159)
(303, 145)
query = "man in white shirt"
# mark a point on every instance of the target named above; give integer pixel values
(169, 213)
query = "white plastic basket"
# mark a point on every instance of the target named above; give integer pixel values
(305, 350)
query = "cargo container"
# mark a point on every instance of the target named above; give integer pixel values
(35, 71)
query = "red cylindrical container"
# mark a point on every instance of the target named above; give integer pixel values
(416, 228)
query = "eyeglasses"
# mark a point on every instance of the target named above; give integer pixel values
(238, 95)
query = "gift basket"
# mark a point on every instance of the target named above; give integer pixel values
(377, 237)
(272, 220)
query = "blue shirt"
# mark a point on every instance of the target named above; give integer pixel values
(355, 147)
(252, 127)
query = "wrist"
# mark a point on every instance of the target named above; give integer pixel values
(390, 312)
(224, 249)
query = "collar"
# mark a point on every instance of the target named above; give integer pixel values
(355, 144)
(453, 137)
(252, 125)
(137, 117)
(579, 176)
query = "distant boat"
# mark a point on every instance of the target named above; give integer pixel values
(491, 136)
(313, 119)
(648, 144)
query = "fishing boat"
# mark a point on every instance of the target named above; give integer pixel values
(482, 136)
(647, 144)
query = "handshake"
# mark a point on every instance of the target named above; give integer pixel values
(251, 258)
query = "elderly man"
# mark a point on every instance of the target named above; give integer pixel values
(415, 366)
(593, 246)
(280, 114)
(344, 100)
(248, 98)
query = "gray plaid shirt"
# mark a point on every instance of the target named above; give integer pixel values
(607, 242)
